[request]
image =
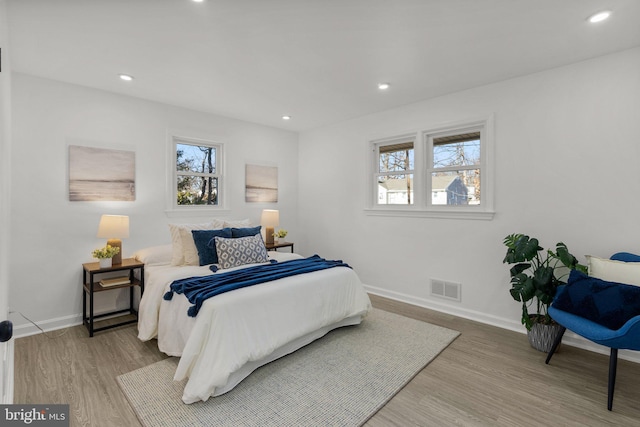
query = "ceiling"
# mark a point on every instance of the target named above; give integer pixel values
(318, 61)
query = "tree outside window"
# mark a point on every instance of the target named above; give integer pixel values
(455, 174)
(395, 173)
(197, 174)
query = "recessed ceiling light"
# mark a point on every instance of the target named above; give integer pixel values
(198, 1)
(126, 77)
(600, 16)
(286, 117)
(383, 86)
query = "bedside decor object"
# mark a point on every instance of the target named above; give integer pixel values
(114, 228)
(105, 255)
(115, 281)
(280, 235)
(269, 220)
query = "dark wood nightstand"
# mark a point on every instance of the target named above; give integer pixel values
(90, 286)
(275, 246)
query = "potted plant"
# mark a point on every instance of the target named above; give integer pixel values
(535, 276)
(280, 234)
(105, 255)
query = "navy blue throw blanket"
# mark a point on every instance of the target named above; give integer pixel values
(199, 289)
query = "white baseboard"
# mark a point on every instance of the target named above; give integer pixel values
(28, 329)
(569, 337)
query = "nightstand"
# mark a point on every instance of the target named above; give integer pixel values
(92, 284)
(275, 246)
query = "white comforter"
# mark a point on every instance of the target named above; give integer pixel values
(239, 328)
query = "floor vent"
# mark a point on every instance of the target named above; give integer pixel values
(447, 290)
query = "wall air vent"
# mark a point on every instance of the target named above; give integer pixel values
(446, 290)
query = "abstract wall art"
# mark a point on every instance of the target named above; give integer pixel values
(261, 184)
(98, 174)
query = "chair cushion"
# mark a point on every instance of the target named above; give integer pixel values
(607, 303)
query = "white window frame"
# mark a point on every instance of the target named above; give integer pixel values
(423, 167)
(173, 209)
(376, 145)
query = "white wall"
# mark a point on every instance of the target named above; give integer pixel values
(567, 153)
(52, 237)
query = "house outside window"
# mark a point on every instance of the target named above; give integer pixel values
(455, 167)
(448, 190)
(197, 173)
(436, 172)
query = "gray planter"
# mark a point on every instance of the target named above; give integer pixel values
(541, 337)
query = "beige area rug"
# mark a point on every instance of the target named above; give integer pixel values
(341, 379)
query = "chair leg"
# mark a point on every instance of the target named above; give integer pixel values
(556, 343)
(613, 363)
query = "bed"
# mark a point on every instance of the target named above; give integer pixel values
(236, 332)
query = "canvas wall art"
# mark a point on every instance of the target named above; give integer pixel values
(97, 174)
(261, 184)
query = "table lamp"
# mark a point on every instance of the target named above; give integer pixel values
(114, 228)
(270, 219)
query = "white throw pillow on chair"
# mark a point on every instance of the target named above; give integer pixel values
(614, 271)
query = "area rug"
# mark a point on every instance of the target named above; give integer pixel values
(341, 379)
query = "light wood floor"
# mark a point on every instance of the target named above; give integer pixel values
(487, 377)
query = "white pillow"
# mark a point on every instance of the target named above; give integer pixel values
(237, 223)
(189, 249)
(155, 255)
(614, 271)
(179, 243)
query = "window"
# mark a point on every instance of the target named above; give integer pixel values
(197, 174)
(439, 172)
(394, 176)
(454, 168)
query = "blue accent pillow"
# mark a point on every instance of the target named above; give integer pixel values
(245, 232)
(205, 243)
(608, 304)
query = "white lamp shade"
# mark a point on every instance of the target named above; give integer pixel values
(113, 227)
(270, 218)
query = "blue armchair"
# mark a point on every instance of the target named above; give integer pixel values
(604, 312)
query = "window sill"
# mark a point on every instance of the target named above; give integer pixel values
(440, 213)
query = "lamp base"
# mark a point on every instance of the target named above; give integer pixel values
(116, 243)
(268, 234)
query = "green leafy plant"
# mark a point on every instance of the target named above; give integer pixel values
(533, 275)
(106, 252)
(281, 234)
